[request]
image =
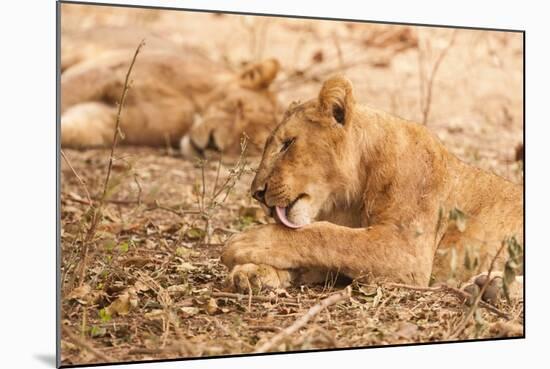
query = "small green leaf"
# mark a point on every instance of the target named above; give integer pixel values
(123, 247)
(195, 234)
(96, 331)
(104, 316)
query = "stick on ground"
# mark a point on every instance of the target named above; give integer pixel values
(312, 312)
(273, 299)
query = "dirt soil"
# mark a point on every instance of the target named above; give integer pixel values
(148, 283)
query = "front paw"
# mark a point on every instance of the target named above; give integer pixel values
(253, 278)
(261, 245)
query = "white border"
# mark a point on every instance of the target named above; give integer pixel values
(27, 190)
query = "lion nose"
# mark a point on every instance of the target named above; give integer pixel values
(260, 194)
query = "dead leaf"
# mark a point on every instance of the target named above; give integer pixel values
(141, 287)
(212, 307)
(189, 311)
(66, 346)
(406, 330)
(186, 252)
(137, 261)
(80, 294)
(194, 234)
(157, 314)
(185, 266)
(170, 228)
(124, 303)
(71, 209)
(506, 329)
(377, 298)
(178, 288)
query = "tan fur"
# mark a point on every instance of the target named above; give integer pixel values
(376, 192)
(172, 95)
(83, 45)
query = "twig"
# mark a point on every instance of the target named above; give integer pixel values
(426, 103)
(87, 346)
(203, 187)
(77, 177)
(455, 291)
(97, 210)
(477, 299)
(379, 307)
(249, 295)
(206, 208)
(117, 131)
(217, 178)
(302, 321)
(239, 296)
(139, 188)
(181, 213)
(154, 205)
(269, 328)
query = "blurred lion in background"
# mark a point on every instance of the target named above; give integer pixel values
(177, 95)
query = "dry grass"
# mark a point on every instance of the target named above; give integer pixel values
(153, 286)
(138, 244)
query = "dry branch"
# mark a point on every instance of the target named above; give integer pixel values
(151, 205)
(97, 210)
(426, 96)
(302, 321)
(238, 296)
(477, 299)
(117, 131)
(82, 183)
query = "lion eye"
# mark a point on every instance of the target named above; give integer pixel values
(286, 144)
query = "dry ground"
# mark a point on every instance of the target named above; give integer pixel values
(148, 284)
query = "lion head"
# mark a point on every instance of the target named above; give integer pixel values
(242, 107)
(311, 160)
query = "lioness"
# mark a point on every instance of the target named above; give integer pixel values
(173, 98)
(361, 192)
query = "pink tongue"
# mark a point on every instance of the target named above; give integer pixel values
(281, 214)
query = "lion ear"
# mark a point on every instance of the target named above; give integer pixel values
(336, 99)
(260, 75)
